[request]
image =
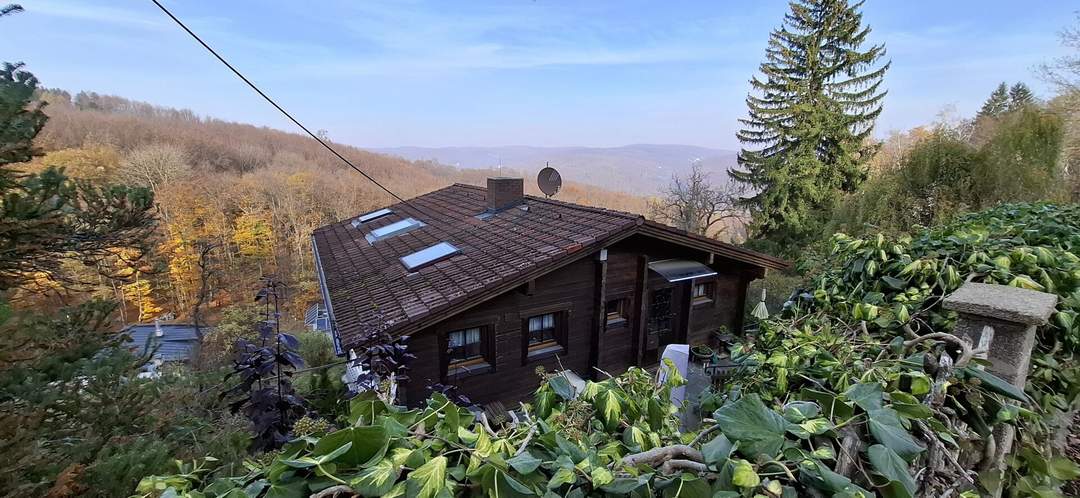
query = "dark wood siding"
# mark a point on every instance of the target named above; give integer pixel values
(721, 312)
(573, 291)
(568, 291)
(618, 352)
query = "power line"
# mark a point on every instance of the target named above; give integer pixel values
(275, 104)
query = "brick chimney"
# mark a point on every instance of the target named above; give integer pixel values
(504, 192)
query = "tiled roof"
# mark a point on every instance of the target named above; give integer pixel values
(367, 286)
(177, 343)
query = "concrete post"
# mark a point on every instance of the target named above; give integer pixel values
(1003, 320)
(1011, 315)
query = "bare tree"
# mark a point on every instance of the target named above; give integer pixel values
(694, 204)
(156, 165)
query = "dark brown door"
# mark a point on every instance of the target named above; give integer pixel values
(660, 327)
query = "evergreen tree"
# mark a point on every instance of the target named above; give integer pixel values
(1020, 96)
(809, 124)
(46, 218)
(997, 103)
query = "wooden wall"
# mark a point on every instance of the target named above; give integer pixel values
(569, 289)
(574, 290)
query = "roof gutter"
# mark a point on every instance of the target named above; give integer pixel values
(326, 298)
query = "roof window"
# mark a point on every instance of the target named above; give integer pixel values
(428, 255)
(364, 218)
(393, 229)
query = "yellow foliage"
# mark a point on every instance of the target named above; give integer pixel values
(96, 163)
(254, 236)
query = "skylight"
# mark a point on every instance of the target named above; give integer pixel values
(364, 218)
(428, 255)
(395, 228)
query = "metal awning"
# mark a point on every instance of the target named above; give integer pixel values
(676, 270)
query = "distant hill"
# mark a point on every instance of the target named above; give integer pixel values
(639, 169)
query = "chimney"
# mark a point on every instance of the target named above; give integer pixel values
(504, 192)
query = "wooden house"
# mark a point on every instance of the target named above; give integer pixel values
(490, 284)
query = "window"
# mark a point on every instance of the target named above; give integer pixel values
(616, 310)
(542, 330)
(703, 293)
(543, 335)
(465, 346)
(395, 228)
(468, 352)
(364, 218)
(428, 255)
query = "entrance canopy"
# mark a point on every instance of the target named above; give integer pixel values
(677, 270)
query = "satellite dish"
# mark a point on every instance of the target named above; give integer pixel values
(550, 181)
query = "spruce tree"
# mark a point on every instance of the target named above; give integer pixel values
(811, 114)
(1020, 96)
(997, 103)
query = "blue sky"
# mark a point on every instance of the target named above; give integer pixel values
(440, 73)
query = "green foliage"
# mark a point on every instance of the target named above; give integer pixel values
(808, 129)
(48, 218)
(945, 175)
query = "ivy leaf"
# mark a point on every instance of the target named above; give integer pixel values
(329, 457)
(377, 479)
(428, 480)
(524, 463)
(743, 474)
(866, 395)
(717, 451)
(798, 411)
(1064, 469)
(759, 430)
(634, 438)
(295, 489)
(562, 476)
(497, 483)
(886, 427)
(561, 385)
(610, 409)
(887, 463)
(996, 384)
(817, 475)
(601, 476)
(368, 444)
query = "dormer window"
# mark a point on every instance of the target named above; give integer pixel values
(394, 229)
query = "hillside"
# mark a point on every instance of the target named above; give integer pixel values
(253, 193)
(639, 169)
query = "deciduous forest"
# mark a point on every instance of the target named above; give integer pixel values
(245, 196)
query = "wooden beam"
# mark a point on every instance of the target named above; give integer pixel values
(642, 310)
(740, 305)
(599, 315)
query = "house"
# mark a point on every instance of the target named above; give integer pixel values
(169, 342)
(316, 318)
(490, 284)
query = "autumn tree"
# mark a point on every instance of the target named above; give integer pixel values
(811, 113)
(694, 204)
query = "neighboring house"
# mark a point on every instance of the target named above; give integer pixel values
(491, 284)
(170, 342)
(316, 318)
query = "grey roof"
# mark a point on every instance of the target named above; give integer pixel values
(178, 343)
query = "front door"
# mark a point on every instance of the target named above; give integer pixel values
(660, 327)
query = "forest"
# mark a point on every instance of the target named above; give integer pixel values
(248, 197)
(115, 212)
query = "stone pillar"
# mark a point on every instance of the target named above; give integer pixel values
(1001, 319)
(1011, 315)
